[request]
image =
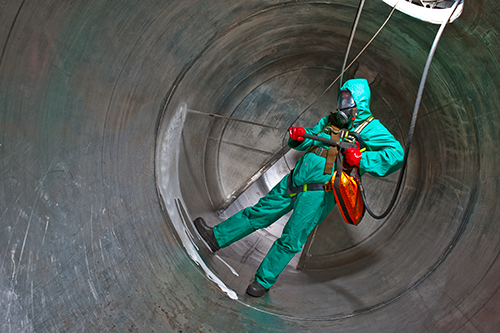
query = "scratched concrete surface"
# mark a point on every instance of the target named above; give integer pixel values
(105, 157)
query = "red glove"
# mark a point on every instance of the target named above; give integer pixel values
(296, 133)
(352, 156)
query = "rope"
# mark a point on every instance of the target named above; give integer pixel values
(352, 62)
(334, 81)
(351, 38)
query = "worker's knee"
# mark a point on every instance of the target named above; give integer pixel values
(289, 244)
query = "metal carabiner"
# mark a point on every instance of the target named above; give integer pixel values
(329, 130)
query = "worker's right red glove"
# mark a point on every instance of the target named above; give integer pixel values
(296, 133)
(353, 156)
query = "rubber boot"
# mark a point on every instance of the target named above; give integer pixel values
(255, 289)
(207, 234)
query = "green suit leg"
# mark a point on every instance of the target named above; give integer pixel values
(311, 208)
(264, 213)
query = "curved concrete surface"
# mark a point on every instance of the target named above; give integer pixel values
(106, 157)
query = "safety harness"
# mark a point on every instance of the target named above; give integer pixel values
(345, 139)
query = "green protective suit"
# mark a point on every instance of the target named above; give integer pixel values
(383, 156)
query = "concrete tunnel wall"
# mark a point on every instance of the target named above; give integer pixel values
(96, 175)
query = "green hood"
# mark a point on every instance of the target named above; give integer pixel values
(360, 91)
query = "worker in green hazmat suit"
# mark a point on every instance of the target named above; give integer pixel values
(383, 155)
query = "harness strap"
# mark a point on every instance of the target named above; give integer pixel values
(318, 151)
(328, 154)
(294, 190)
(364, 124)
(332, 152)
(338, 134)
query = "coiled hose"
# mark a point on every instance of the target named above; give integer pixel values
(412, 124)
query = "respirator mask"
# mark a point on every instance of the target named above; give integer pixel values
(346, 112)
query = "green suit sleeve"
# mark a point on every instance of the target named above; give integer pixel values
(384, 153)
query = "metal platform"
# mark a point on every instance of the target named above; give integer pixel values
(104, 165)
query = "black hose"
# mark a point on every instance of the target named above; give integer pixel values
(412, 125)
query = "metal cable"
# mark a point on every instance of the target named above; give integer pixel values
(351, 38)
(334, 81)
(350, 64)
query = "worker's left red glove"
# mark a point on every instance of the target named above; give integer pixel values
(296, 133)
(352, 156)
